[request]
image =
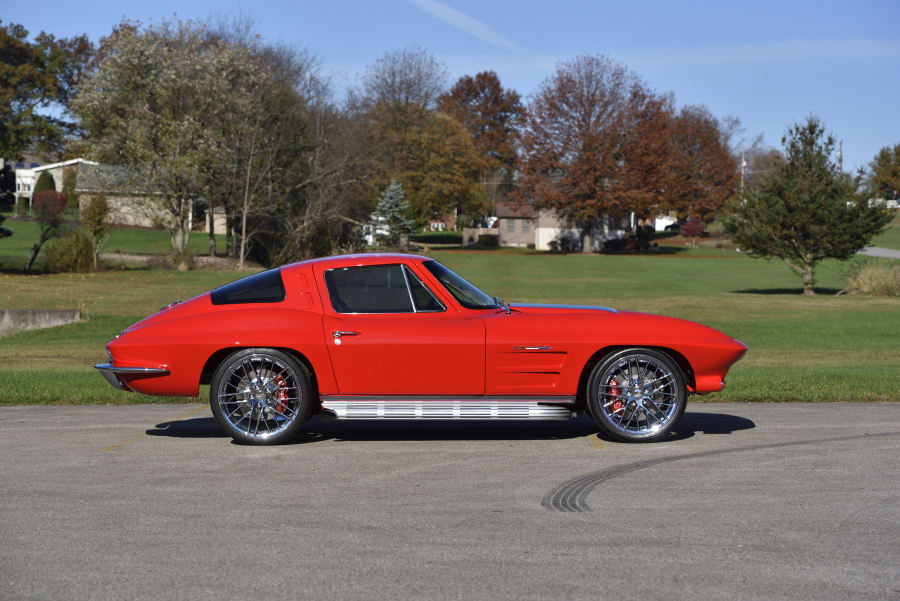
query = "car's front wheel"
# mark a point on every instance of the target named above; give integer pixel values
(261, 396)
(636, 394)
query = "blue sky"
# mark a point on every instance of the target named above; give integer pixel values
(769, 63)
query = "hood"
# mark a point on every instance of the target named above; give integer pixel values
(554, 308)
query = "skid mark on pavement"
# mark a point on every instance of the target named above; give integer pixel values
(136, 437)
(571, 496)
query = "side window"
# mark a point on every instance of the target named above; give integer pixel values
(526, 226)
(424, 300)
(510, 225)
(368, 289)
(265, 287)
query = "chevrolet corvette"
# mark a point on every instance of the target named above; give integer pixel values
(397, 336)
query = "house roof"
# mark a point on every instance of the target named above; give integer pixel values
(513, 210)
(103, 178)
(64, 164)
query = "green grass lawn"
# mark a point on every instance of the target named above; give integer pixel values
(890, 237)
(825, 348)
(14, 250)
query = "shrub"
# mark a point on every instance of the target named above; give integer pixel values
(70, 182)
(875, 279)
(44, 182)
(693, 228)
(48, 206)
(21, 206)
(71, 253)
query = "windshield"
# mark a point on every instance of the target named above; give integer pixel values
(468, 295)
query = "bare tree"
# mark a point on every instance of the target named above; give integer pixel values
(410, 77)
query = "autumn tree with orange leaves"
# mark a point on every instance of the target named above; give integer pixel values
(703, 171)
(594, 144)
(491, 113)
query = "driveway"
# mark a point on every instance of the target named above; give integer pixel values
(746, 501)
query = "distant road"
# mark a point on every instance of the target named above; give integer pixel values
(877, 251)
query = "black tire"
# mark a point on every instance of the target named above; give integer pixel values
(641, 406)
(261, 396)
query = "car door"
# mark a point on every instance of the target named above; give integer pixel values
(389, 334)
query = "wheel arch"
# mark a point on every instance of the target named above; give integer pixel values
(683, 364)
(216, 359)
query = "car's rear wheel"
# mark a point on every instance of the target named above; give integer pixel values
(261, 396)
(636, 394)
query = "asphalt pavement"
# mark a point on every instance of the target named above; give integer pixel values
(877, 251)
(746, 501)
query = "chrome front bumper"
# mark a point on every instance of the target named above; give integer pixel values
(109, 372)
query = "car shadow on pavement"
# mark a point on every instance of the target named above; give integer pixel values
(317, 430)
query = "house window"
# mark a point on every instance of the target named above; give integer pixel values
(510, 225)
(526, 226)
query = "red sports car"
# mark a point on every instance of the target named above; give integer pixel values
(395, 336)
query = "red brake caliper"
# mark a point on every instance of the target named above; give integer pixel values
(614, 391)
(281, 395)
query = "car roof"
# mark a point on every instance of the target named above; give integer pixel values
(361, 259)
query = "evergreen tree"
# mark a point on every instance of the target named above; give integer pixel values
(391, 223)
(44, 182)
(5, 232)
(884, 181)
(805, 209)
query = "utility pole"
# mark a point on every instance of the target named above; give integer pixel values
(743, 170)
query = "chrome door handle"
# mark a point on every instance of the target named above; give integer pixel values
(339, 333)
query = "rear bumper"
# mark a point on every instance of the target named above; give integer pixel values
(110, 372)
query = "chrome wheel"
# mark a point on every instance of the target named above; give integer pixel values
(638, 394)
(259, 395)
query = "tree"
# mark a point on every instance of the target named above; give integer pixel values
(884, 181)
(390, 214)
(69, 184)
(48, 206)
(431, 154)
(36, 76)
(410, 78)
(5, 232)
(493, 116)
(44, 182)
(703, 172)
(146, 107)
(491, 113)
(572, 145)
(805, 209)
(94, 217)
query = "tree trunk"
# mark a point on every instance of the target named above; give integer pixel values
(212, 231)
(34, 253)
(229, 234)
(808, 281)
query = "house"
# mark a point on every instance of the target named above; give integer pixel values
(524, 226)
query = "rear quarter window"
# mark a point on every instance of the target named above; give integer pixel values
(265, 287)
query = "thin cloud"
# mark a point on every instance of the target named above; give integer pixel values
(766, 51)
(465, 23)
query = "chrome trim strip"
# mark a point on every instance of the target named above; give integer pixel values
(416, 409)
(109, 367)
(109, 372)
(552, 306)
(428, 398)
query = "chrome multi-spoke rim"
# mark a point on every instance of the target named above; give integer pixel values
(259, 396)
(638, 395)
